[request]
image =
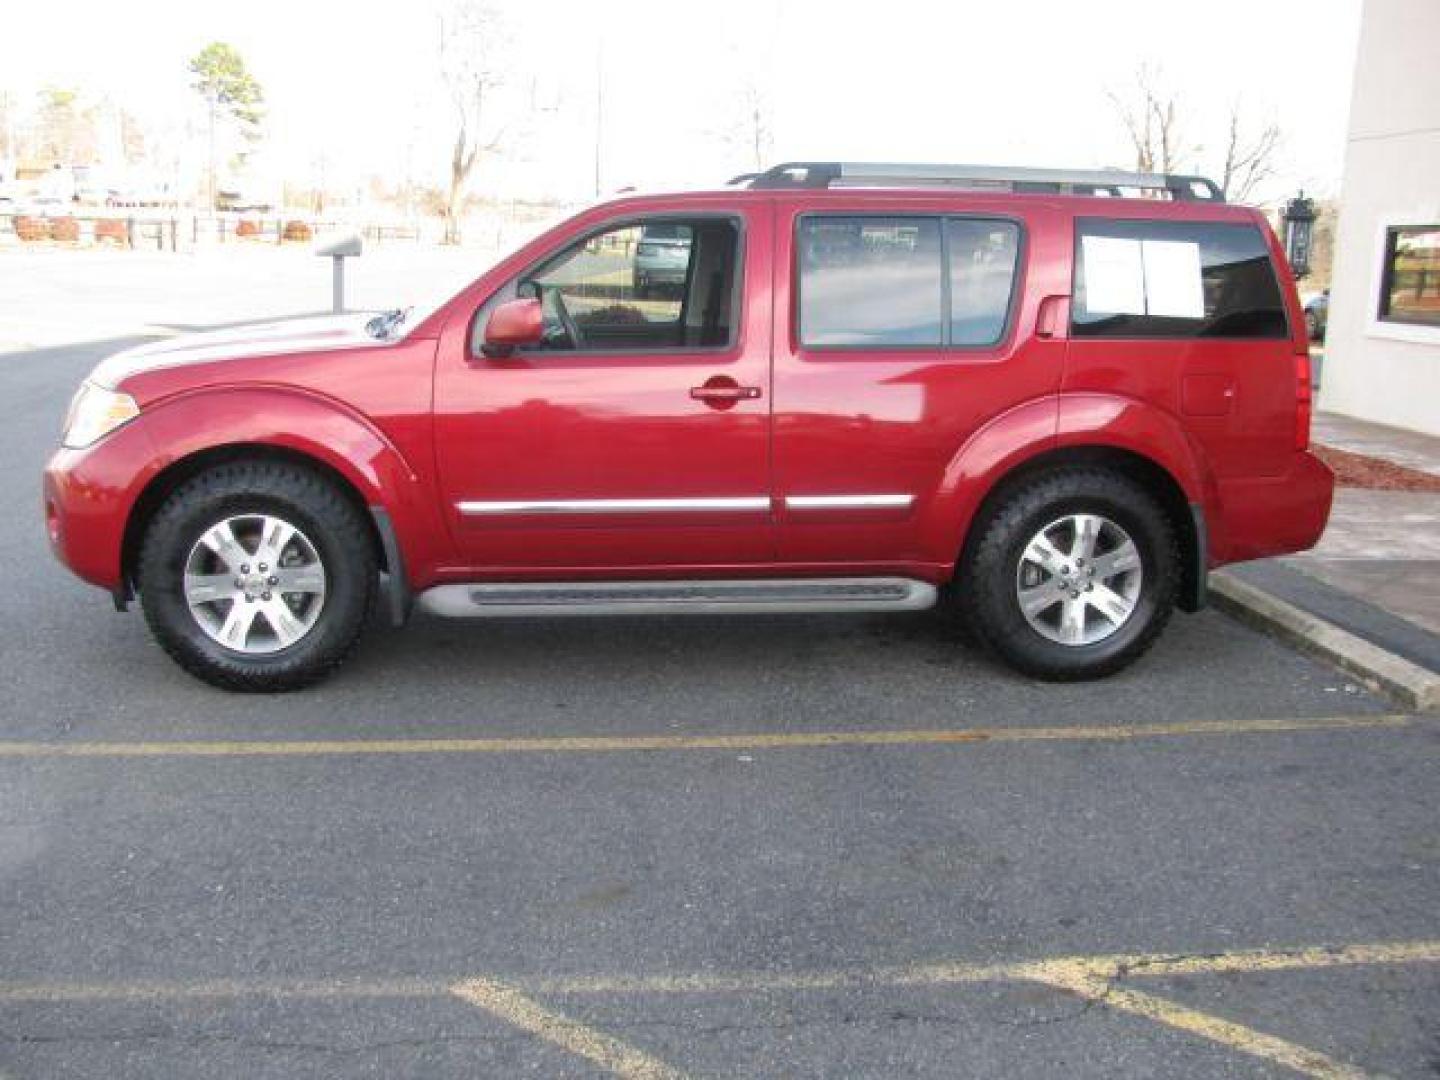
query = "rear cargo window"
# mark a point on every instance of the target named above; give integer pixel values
(1174, 279)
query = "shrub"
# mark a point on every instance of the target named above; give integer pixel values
(31, 229)
(298, 230)
(246, 227)
(64, 228)
(112, 229)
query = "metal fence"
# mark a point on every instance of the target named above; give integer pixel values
(179, 232)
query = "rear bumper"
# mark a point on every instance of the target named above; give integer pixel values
(1274, 515)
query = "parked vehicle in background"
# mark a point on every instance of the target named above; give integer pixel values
(1317, 315)
(877, 388)
(662, 258)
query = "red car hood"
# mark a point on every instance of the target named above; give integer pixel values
(266, 339)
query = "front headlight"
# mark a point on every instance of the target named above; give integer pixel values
(94, 413)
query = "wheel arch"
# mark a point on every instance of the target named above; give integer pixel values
(1186, 516)
(160, 486)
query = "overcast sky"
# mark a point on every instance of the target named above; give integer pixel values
(1021, 82)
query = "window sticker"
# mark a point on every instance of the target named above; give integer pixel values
(1114, 275)
(1172, 279)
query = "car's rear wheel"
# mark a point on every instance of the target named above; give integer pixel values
(1072, 576)
(257, 576)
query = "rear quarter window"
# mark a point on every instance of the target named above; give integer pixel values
(1174, 279)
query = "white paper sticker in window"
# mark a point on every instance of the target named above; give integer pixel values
(1172, 279)
(1114, 275)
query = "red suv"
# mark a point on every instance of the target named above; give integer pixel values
(1053, 403)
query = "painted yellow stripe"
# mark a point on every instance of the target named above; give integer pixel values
(631, 743)
(1078, 980)
(1260, 960)
(1103, 966)
(604, 1050)
(142, 990)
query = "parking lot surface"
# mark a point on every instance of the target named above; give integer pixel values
(805, 846)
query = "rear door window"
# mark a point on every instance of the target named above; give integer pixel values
(888, 282)
(1174, 279)
(870, 281)
(983, 254)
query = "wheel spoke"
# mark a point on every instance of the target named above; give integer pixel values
(221, 540)
(1035, 600)
(235, 630)
(300, 579)
(287, 628)
(208, 588)
(1123, 558)
(1087, 531)
(1072, 621)
(1111, 604)
(275, 535)
(1045, 554)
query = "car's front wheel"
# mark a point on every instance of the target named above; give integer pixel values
(1073, 574)
(257, 576)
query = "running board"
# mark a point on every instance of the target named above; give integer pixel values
(691, 597)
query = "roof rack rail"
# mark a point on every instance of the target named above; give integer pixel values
(1106, 182)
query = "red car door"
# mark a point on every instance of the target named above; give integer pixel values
(636, 437)
(906, 325)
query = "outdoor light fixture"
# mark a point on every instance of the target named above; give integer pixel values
(1299, 218)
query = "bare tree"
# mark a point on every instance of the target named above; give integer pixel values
(1151, 116)
(1157, 127)
(1249, 159)
(753, 127)
(471, 64)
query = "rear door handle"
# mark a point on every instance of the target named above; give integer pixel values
(724, 393)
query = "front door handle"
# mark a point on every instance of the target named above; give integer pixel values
(722, 392)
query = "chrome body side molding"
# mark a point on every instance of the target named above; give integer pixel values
(741, 504)
(896, 501)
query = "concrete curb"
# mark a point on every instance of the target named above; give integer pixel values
(1411, 685)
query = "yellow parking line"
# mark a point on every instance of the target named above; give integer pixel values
(1077, 979)
(1096, 978)
(1104, 966)
(631, 743)
(16, 993)
(604, 1050)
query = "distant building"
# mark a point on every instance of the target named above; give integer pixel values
(1382, 350)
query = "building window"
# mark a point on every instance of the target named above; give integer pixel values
(1410, 286)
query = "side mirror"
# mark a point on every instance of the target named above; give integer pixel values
(511, 325)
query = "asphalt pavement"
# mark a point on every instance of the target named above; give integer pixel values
(788, 846)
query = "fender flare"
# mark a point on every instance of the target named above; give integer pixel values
(306, 425)
(1047, 427)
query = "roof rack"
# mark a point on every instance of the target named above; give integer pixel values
(1104, 182)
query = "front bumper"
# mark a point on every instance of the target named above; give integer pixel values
(88, 495)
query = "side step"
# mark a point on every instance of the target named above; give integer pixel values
(692, 597)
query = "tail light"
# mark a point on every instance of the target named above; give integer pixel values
(1304, 400)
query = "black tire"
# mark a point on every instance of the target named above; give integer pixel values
(986, 585)
(332, 523)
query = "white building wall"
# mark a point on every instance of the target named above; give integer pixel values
(1381, 371)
